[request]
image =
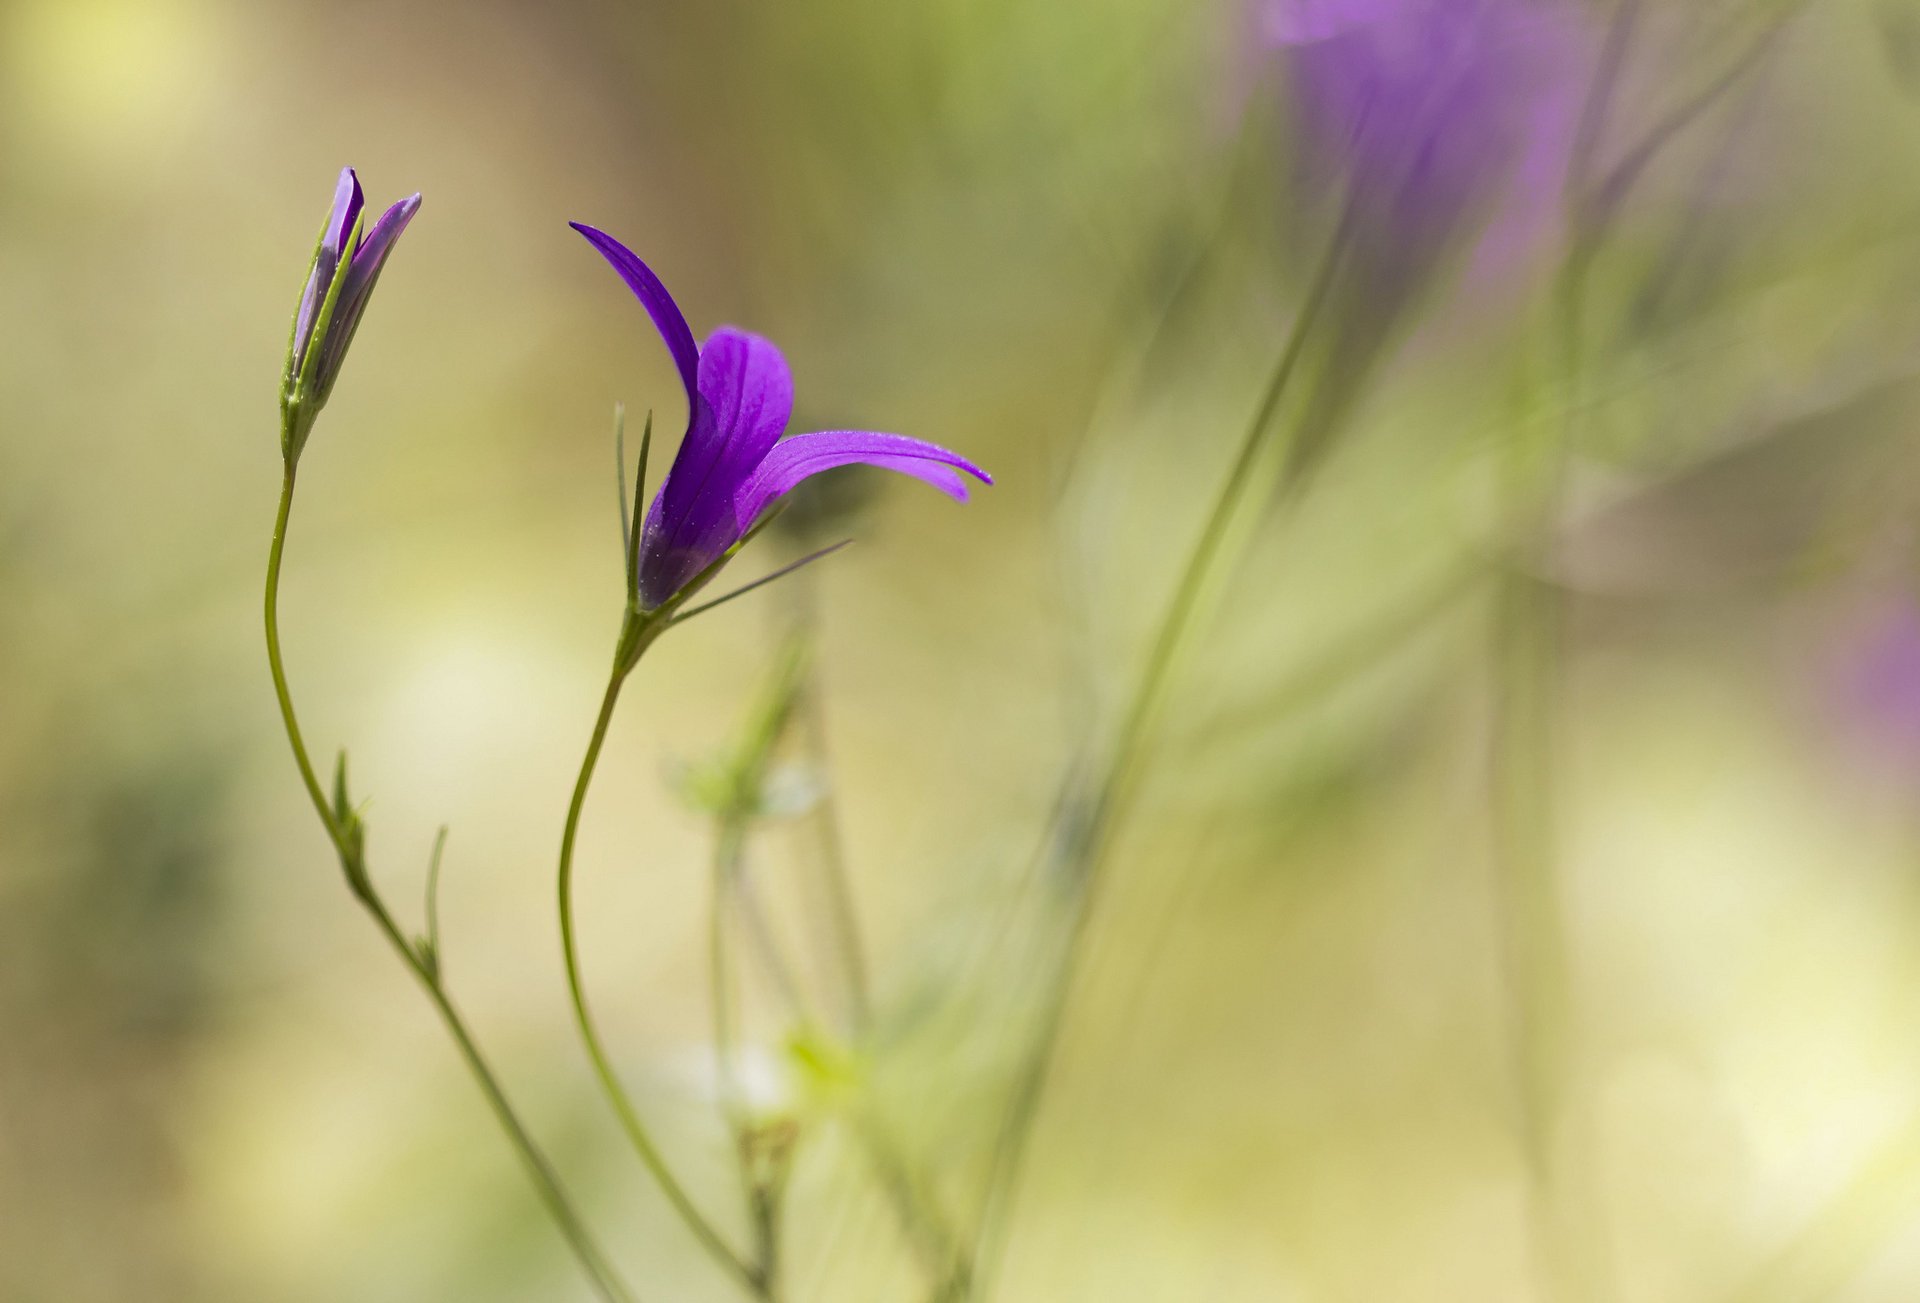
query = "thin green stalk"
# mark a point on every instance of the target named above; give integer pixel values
(720, 989)
(762, 1203)
(773, 958)
(792, 695)
(834, 924)
(1525, 766)
(633, 637)
(921, 1222)
(605, 1279)
(945, 1259)
(846, 942)
(1094, 837)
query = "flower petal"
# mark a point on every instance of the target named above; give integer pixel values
(357, 288)
(745, 398)
(745, 383)
(653, 296)
(347, 202)
(793, 460)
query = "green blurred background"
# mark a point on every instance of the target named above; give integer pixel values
(1323, 1045)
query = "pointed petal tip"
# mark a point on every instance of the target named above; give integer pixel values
(347, 202)
(654, 297)
(401, 212)
(378, 238)
(599, 239)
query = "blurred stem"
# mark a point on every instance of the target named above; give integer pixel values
(773, 956)
(847, 943)
(637, 631)
(924, 1226)
(593, 1261)
(790, 698)
(1530, 614)
(725, 856)
(947, 1262)
(763, 1211)
(1088, 842)
(1523, 761)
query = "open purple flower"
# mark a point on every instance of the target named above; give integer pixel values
(340, 281)
(732, 464)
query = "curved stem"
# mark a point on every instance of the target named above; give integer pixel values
(623, 1108)
(606, 1281)
(278, 666)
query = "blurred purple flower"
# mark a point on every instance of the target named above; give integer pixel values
(1876, 681)
(1427, 110)
(1424, 103)
(340, 281)
(732, 463)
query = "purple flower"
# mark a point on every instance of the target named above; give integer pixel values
(1429, 105)
(1426, 111)
(339, 282)
(732, 463)
(1874, 668)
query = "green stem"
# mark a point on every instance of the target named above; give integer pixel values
(931, 1236)
(546, 1181)
(728, 848)
(1091, 842)
(926, 1229)
(633, 637)
(720, 994)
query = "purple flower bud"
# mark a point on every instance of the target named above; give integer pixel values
(733, 464)
(339, 282)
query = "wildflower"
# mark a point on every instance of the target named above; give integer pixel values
(1449, 121)
(732, 463)
(340, 280)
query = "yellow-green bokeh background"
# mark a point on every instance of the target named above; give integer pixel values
(1289, 1074)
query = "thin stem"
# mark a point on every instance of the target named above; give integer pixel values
(924, 1226)
(762, 581)
(773, 958)
(623, 1108)
(834, 932)
(1090, 841)
(631, 545)
(433, 897)
(276, 664)
(921, 1221)
(762, 1203)
(620, 487)
(546, 1181)
(720, 988)
(847, 944)
(1525, 760)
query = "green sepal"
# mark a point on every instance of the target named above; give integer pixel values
(342, 808)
